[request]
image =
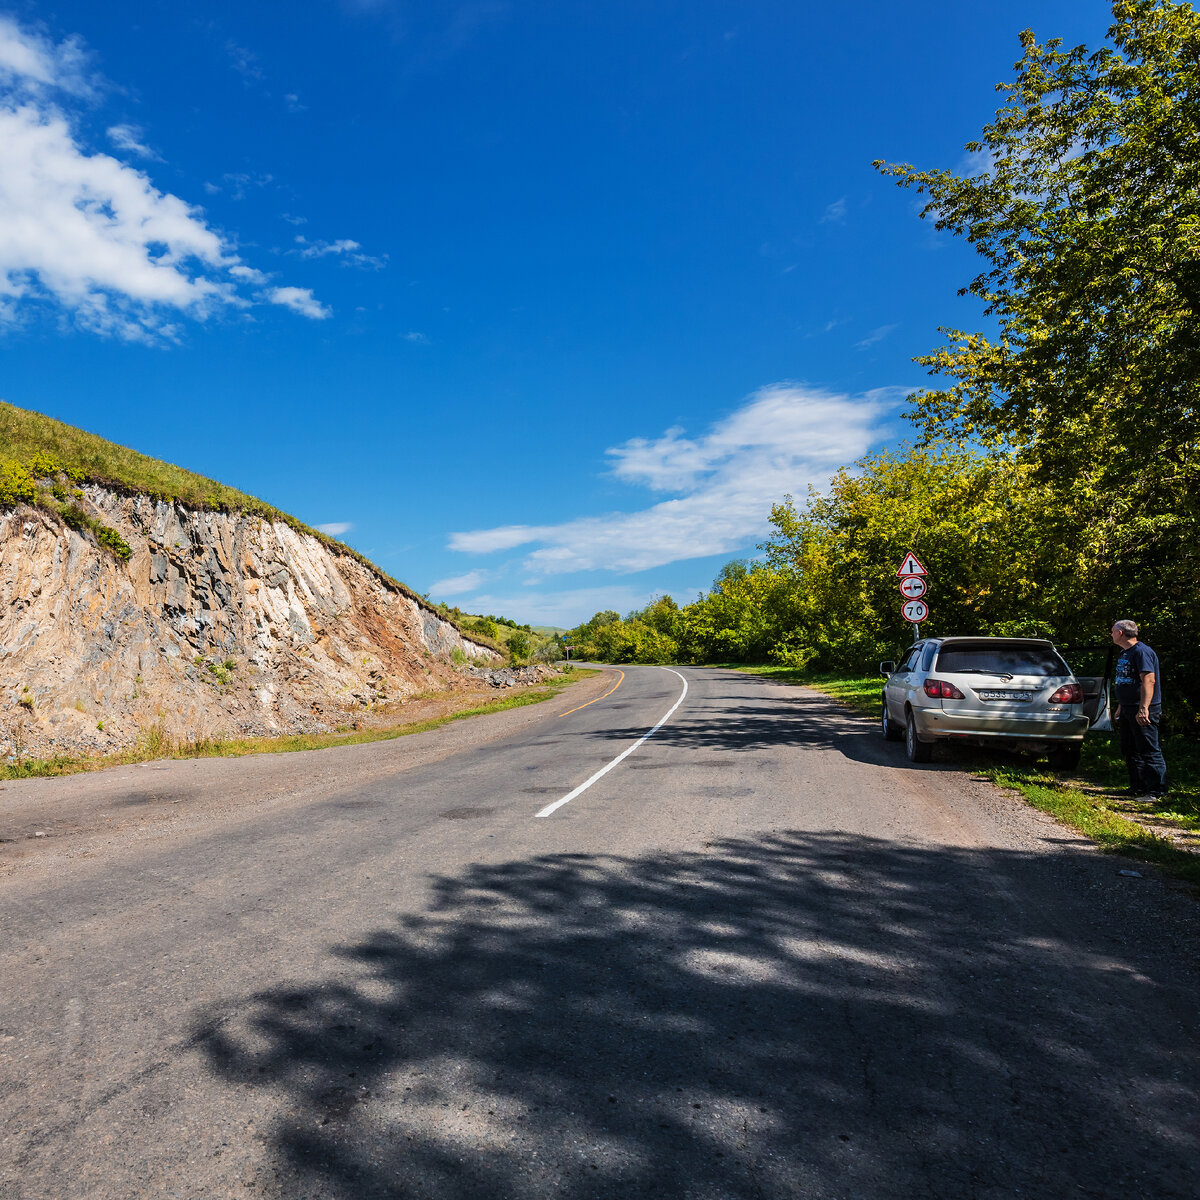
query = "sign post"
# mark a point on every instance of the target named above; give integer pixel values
(913, 586)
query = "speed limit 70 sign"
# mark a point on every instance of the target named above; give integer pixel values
(915, 611)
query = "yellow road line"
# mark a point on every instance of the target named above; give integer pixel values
(608, 693)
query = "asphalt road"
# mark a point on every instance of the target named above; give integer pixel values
(762, 956)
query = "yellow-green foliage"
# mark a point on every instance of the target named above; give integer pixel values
(16, 484)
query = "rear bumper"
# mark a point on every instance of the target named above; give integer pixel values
(935, 725)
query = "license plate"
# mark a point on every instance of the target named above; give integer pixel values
(1026, 696)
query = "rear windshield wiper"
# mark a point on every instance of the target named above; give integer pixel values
(980, 671)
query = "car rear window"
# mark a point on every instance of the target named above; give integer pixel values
(1010, 660)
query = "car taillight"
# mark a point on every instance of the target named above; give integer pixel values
(1069, 693)
(940, 689)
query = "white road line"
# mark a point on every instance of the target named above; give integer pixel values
(583, 787)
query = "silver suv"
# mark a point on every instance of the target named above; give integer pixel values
(991, 691)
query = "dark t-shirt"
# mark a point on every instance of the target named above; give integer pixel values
(1131, 666)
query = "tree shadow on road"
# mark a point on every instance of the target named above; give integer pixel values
(793, 1015)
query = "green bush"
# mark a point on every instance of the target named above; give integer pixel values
(16, 484)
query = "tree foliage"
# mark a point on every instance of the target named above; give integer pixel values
(1056, 486)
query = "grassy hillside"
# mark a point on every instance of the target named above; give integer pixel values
(34, 447)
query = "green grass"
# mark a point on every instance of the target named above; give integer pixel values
(156, 745)
(33, 442)
(1086, 801)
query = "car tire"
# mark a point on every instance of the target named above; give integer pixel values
(1065, 758)
(918, 751)
(891, 731)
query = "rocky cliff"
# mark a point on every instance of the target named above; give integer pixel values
(218, 623)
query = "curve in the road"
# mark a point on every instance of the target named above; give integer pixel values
(604, 770)
(598, 698)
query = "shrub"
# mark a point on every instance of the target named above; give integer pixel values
(44, 465)
(16, 484)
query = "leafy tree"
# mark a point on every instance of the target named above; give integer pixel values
(1085, 209)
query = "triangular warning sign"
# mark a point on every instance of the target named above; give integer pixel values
(911, 566)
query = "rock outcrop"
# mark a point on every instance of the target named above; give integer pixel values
(218, 624)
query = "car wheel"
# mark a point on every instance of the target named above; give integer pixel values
(891, 731)
(1065, 758)
(918, 751)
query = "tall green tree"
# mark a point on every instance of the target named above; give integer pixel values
(1085, 208)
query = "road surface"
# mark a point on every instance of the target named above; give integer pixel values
(761, 956)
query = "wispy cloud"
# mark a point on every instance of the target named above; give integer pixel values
(88, 233)
(236, 184)
(293, 103)
(336, 528)
(835, 213)
(34, 64)
(345, 250)
(876, 335)
(243, 61)
(783, 438)
(416, 338)
(459, 585)
(299, 300)
(130, 139)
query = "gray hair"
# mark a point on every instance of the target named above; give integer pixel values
(1128, 628)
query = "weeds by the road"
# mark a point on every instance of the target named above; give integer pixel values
(1089, 800)
(156, 744)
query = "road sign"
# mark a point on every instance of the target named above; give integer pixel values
(912, 587)
(911, 565)
(915, 611)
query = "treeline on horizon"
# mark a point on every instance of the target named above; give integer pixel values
(1053, 486)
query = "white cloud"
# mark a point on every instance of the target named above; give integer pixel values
(835, 213)
(300, 300)
(89, 233)
(418, 338)
(783, 439)
(344, 250)
(293, 103)
(243, 61)
(34, 63)
(291, 220)
(876, 335)
(336, 528)
(458, 585)
(129, 139)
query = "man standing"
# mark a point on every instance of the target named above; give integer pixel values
(1139, 705)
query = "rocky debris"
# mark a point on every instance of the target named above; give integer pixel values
(501, 677)
(219, 624)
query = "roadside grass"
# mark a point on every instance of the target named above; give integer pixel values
(1087, 801)
(155, 744)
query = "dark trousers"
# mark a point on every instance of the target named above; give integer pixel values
(1139, 744)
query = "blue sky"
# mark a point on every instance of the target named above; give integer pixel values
(541, 305)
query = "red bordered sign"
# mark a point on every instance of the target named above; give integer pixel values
(911, 565)
(912, 587)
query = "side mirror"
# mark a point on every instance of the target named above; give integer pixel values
(887, 667)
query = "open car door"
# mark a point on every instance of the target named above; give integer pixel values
(1096, 702)
(1097, 690)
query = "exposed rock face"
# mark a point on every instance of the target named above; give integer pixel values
(219, 623)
